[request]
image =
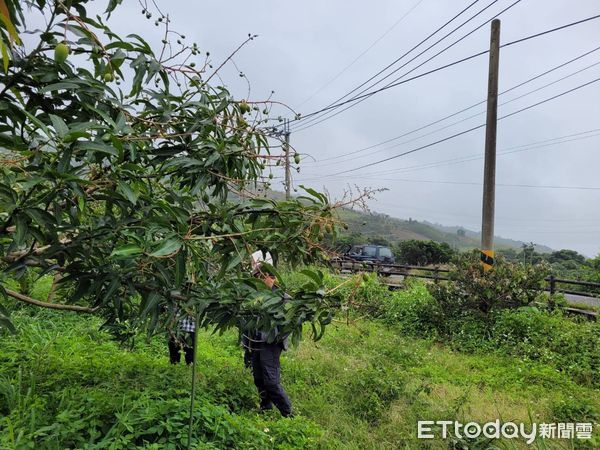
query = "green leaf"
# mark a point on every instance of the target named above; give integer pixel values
(128, 192)
(234, 262)
(127, 250)
(315, 276)
(21, 230)
(41, 217)
(314, 193)
(38, 123)
(59, 125)
(64, 85)
(6, 323)
(98, 147)
(4, 315)
(179, 269)
(150, 303)
(5, 55)
(111, 289)
(166, 247)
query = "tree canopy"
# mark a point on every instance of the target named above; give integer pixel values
(422, 253)
(129, 174)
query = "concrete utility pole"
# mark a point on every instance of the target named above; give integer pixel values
(288, 177)
(489, 170)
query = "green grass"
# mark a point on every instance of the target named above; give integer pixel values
(64, 384)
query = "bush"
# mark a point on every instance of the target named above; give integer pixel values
(66, 385)
(363, 294)
(508, 285)
(571, 409)
(422, 253)
(551, 338)
(478, 313)
(414, 310)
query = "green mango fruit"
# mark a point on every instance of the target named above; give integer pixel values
(61, 52)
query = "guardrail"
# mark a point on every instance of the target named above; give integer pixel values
(435, 274)
(390, 269)
(552, 280)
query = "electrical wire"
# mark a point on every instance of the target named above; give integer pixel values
(475, 183)
(473, 157)
(341, 72)
(322, 118)
(468, 117)
(466, 131)
(408, 133)
(445, 66)
(406, 53)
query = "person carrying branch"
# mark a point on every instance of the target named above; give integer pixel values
(263, 356)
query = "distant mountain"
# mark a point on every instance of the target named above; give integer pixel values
(375, 224)
(393, 229)
(499, 241)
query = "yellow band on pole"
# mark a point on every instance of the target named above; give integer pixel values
(487, 259)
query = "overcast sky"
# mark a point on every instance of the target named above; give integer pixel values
(303, 45)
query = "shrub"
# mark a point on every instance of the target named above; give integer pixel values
(66, 385)
(422, 253)
(414, 310)
(551, 338)
(508, 285)
(570, 409)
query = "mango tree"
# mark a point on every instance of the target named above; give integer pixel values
(128, 175)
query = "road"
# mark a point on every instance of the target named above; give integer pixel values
(582, 300)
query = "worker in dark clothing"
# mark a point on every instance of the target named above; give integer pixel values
(264, 358)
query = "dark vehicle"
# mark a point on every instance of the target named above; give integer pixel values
(371, 253)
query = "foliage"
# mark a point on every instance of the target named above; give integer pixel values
(527, 332)
(136, 192)
(367, 226)
(85, 392)
(572, 409)
(471, 290)
(371, 392)
(549, 337)
(565, 255)
(423, 253)
(414, 310)
(64, 384)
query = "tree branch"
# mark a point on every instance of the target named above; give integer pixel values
(35, 302)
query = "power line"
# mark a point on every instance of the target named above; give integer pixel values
(468, 130)
(479, 183)
(398, 82)
(322, 118)
(477, 157)
(387, 141)
(471, 116)
(473, 157)
(341, 72)
(405, 54)
(478, 217)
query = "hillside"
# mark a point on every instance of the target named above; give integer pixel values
(374, 225)
(378, 225)
(500, 241)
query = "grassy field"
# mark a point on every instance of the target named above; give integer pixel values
(64, 384)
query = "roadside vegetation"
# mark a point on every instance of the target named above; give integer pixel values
(390, 358)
